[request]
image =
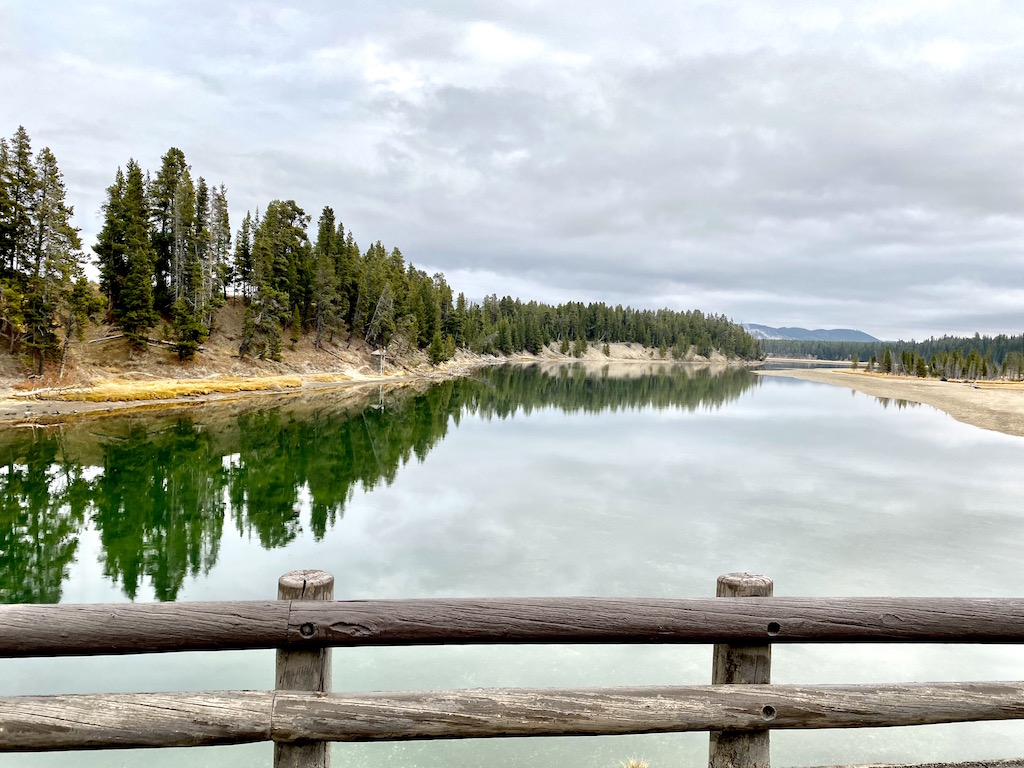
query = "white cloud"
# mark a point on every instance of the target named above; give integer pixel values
(490, 42)
(393, 76)
(945, 54)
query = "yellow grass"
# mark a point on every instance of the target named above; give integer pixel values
(329, 377)
(635, 763)
(168, 389)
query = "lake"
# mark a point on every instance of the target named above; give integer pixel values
(523, 481)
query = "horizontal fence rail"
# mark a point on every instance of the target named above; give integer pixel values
(112, 721)
(64, 630)
(301, 716)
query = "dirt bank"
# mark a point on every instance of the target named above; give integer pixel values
(103, 379)
(998, 406)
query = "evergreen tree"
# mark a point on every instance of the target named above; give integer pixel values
(326, 311)
(6, 207)
(280, 247)
(56, 258)
(22, 189)
(191, 312)
(220, 270)
(436, 351)
(243, 268)
(167, 209)
(136, 315)
(111, 247)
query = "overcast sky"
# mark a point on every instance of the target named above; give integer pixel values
(855, 164)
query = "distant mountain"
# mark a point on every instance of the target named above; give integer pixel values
(802, 334)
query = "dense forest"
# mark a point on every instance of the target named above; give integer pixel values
(167, 261)
(159, 492)
(951, 357)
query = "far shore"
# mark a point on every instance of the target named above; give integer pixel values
(119, 394)
(993, 405)
(996, 406)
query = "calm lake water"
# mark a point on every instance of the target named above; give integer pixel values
(522, 481)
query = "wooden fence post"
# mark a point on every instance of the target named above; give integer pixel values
(304, 670)
(737, 665)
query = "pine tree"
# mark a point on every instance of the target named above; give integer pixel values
(22, 188)
(436, 349)
(111, 247)
(191, 241)
(56, 258)
(326, 312)
(6, 206)
(220, 247)
(12, 311)
(163, 194)
(136, 315)
(242, 269)
(279, 247)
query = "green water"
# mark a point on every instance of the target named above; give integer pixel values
(523, 482)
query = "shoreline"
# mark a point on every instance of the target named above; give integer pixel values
(31, 409)
(995, 406)
(49, 407)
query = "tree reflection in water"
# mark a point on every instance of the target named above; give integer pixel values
(158, 489)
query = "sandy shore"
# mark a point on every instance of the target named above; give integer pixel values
(998, 406)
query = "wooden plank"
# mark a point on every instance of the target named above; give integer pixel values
(304, 669)
(602, 711)
(120, 721)
(46, 723)
(646, 620)
(55, 630)
(741, 664)
(113, 628)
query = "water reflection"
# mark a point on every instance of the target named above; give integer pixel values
(899, 402)
(158, 490)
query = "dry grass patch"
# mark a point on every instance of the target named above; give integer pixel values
(329, 377)
(169, 389)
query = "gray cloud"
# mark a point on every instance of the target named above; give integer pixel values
(853, 164)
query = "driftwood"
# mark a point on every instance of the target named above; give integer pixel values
(110, 721)
(62, 630)
(151, 342)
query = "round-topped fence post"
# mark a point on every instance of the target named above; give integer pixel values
(306, 670)
(741, 665)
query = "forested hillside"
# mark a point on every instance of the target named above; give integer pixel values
(971, 357)
(167, 261)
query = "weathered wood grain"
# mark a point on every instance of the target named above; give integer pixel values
(47, 723)
(741, 664)
(119, 721)
(304, 669)
(583, 712)
(646, 620)
(114, 628)
(55, 630)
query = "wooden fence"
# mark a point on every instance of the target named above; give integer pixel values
(301, 716)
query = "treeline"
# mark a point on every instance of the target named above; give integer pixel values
(330, 286)
(952, 357)
(45, 299)
(169, 486)
(167, 262)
